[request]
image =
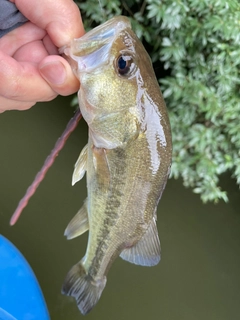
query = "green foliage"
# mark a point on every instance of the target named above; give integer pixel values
(198, 45)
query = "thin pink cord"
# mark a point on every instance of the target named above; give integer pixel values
(72, 124)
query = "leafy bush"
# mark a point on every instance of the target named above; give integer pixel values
(195, 48)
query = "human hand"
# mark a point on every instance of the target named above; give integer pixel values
(31, 69)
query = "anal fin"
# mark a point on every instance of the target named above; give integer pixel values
(146, 252)
(79, 223)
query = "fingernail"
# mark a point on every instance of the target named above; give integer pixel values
(54, 72)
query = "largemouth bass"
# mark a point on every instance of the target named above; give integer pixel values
(127, 158)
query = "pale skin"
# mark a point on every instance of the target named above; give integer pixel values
(31, 68)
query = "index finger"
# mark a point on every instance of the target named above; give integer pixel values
(61, 19)
(22, 81)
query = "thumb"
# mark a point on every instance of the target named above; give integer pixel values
(58, 73)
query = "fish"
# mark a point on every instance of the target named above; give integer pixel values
(127, 158)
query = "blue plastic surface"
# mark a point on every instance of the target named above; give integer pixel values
(20, 294)
(5, 315)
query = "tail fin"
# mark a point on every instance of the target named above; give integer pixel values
(83, 288)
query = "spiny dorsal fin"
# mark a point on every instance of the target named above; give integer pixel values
(80, 166)
(147, 250)
(79, 223)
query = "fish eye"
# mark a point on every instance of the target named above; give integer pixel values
(125, 65)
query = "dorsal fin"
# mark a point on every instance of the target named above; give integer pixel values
(147, 250)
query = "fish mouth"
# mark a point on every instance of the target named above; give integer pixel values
(92, 49)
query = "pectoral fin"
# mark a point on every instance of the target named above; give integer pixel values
(101, 166)
(79, 224)
(80, 166)
(147, 250)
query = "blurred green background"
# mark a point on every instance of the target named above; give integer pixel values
(198, 277)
